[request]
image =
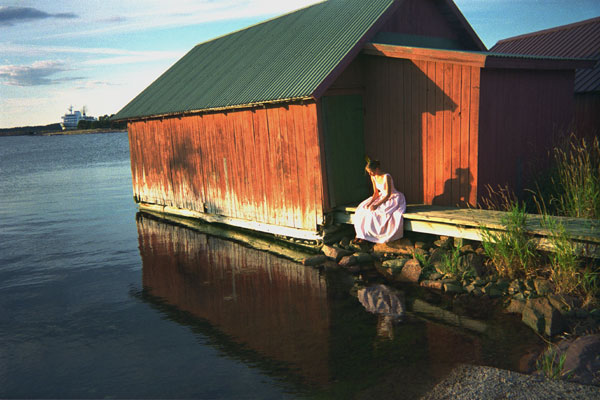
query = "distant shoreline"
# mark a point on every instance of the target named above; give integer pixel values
(62, 132)
(81, 131)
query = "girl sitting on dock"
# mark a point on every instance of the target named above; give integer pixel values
(379, 218)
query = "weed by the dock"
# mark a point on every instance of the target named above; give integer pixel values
(512, 251)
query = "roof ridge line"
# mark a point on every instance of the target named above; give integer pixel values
(548, 30)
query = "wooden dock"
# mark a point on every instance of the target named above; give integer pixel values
(467, 223)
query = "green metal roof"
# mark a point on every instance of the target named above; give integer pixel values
(284, 58)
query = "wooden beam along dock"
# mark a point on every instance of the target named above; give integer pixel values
(467, 223)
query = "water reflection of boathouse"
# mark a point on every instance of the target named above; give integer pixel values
(273, 306)
(294, 322)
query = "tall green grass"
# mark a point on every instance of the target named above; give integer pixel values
(512, 251)
(578, 179)
(572, 189)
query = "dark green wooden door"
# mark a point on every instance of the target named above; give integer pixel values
(345, 149)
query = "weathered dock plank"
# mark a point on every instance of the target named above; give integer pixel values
(466, 223)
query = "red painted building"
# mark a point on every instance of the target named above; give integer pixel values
(267, 128)
(577, 40)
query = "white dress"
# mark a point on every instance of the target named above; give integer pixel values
(385, 223)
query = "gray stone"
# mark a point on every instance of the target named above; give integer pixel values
(543, 287)
(519, 296)
(451, 281)
(362, 258)
(444, 242)
(529, 285)
(480, 282)
(453, 288)
(435, 276)
(335, 253)
(516, 286)
(542, 317)
(432, 284)
(502, 285)
(437, 255)
(467, 248)
(473, 262)
(515, 306)
(347, 261)
(559, 303)
(439, 268)
(533, 319)
(345, 242)
(582, 359)
(411, 272)
(480, 251)
(397, 263)
(317, 259)
(354, 269)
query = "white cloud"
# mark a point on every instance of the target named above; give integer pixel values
(146, 14)
(36, 74)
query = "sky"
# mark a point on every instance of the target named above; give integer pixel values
(100, 54)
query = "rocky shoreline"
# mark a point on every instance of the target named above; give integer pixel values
(572, 327)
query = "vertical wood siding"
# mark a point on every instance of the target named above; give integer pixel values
(587, 114)
(523, 113)
(421, 122)
(275, 307)
(420, 17)
(258, 165)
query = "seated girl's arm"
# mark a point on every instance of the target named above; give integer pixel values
(375, 194)
(383, 199)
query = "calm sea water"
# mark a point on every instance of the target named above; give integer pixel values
(97, 301)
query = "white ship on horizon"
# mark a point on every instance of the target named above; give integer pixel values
(71, 119)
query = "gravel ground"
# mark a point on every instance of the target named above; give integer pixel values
(483, 383)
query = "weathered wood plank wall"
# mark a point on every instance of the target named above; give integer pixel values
(421, 17)
(260, 164)
(523, 113)
(587, 114)
(421, 121)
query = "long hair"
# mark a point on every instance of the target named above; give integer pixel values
(372, 164)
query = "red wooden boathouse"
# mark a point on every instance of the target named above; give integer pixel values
(267, 128)
(580, 39)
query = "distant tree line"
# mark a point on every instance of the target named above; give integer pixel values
(30, 130)
(103, 122)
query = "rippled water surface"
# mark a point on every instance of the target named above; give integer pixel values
(96, 301)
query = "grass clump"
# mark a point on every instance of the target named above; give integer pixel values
(512, 251)
(577, 179)
(552, 365)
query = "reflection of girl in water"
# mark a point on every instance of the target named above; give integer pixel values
(379, 218)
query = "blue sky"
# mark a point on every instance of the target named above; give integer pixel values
(102, 53)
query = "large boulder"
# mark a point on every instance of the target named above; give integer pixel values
(542, 317)
(582, 361)
(318, 259)
(335, 253)
(411, 272)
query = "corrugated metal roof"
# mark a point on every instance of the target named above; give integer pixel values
(578, 40)
(281, 59)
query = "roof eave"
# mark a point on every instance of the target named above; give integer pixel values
(180, 114)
